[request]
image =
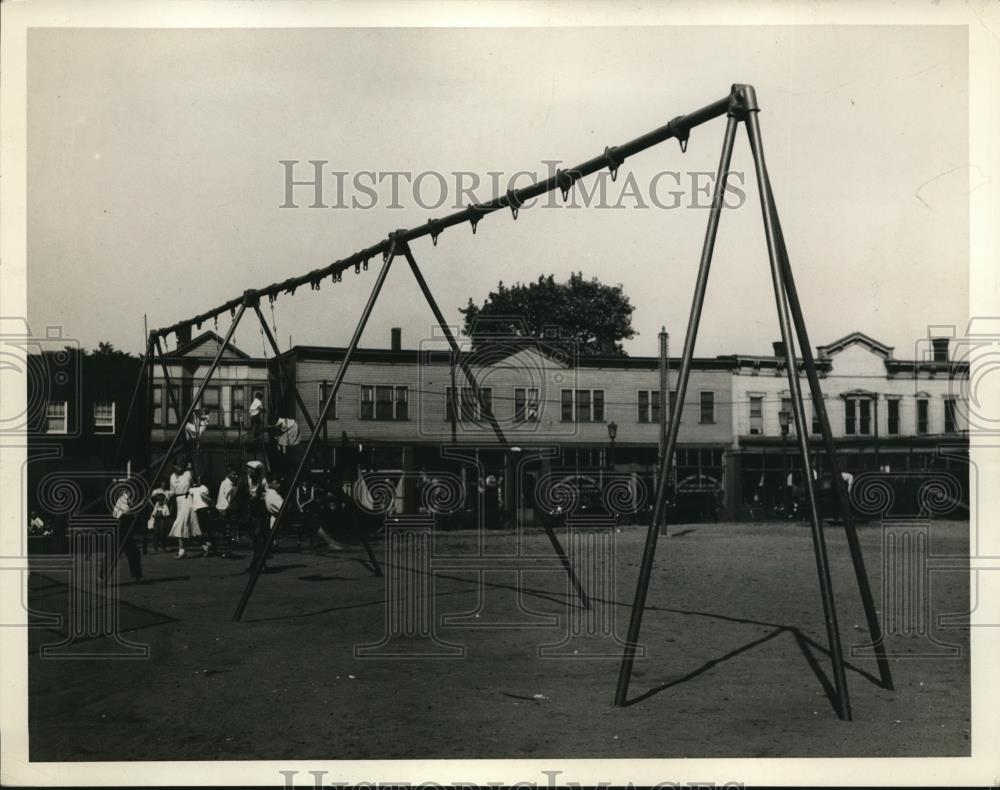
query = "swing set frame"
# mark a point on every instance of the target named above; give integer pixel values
(740, 107)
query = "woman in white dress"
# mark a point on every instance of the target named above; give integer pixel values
(186, 523)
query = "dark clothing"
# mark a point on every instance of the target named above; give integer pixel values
(125, 543)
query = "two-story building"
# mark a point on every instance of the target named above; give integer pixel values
(886, 414)
(225, 402)
(403, 415)
(78, 403)
(410, 414)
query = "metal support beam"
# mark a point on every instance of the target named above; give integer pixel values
(470, 377)
(292, 485)
(277, 352)
(691, 335)
(144, 370)
(839, 485)
(801, 426)
(183, 422)
(169, 401)
(613, 156)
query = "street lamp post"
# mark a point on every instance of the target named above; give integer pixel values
(612, 434)
(784, 419)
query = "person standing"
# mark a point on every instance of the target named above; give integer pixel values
(201, 503)
(226, 510)
(186, 523)
(159, 519)
(123, 538)
(250, 495)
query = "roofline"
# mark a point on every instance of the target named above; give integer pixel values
(442, 355)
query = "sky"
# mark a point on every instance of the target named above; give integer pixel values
(155, 183)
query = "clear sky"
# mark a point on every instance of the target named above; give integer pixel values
(154, 181)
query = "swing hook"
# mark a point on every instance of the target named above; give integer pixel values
(613, 159)
(514, 202)
(681, 132)
(435, 229)
(565, 179)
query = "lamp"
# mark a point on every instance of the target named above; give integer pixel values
(612, 430)
(784, 420)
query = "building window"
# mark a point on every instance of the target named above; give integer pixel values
(211, 402)
(384, 403)
(865, 417)
(56, 417)
(367, 403)
(469, 409)
(672, 397)
(649, 406)
(157, 405)
(707, 407)
(892, 416)
(950, 425)
(583, 405)
(237, 405)
(104, 416)
(816, 427)
(402, 403)
(525, 404)
(322, 394)
(922, 410)
(756, 415)
(858, 416)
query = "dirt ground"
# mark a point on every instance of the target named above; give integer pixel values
(735, 666)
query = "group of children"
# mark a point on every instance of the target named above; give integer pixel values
(184, 510)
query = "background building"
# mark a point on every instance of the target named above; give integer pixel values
(886, 414)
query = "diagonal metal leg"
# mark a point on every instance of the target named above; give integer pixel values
(843, 500)
(652, 532)
(144, 370)
(277, 351)
(801, 426)
(470, 377)
(187, 416)
(313, 437)
(170, 401)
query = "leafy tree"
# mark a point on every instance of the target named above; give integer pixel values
(593, 316)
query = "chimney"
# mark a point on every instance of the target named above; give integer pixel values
(940, 346)
(779, 348)
(397, 339)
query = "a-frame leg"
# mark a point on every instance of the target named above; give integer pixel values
(170, 401)
(691, 335)
(183, 421)
(144, 370)
(470, 377)
(277, 351)
(843, 500)
(798, 410)
(314, 436)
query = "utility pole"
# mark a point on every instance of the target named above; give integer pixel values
(664, 399)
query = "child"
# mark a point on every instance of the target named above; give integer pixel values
(124, 541)
(186, 523)
(256, 413)
(201, 501)
(159, 519)
(226, 511)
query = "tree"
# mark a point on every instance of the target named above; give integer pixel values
(594, 317)
(107, 350)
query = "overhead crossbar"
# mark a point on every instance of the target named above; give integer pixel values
(612, 158)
